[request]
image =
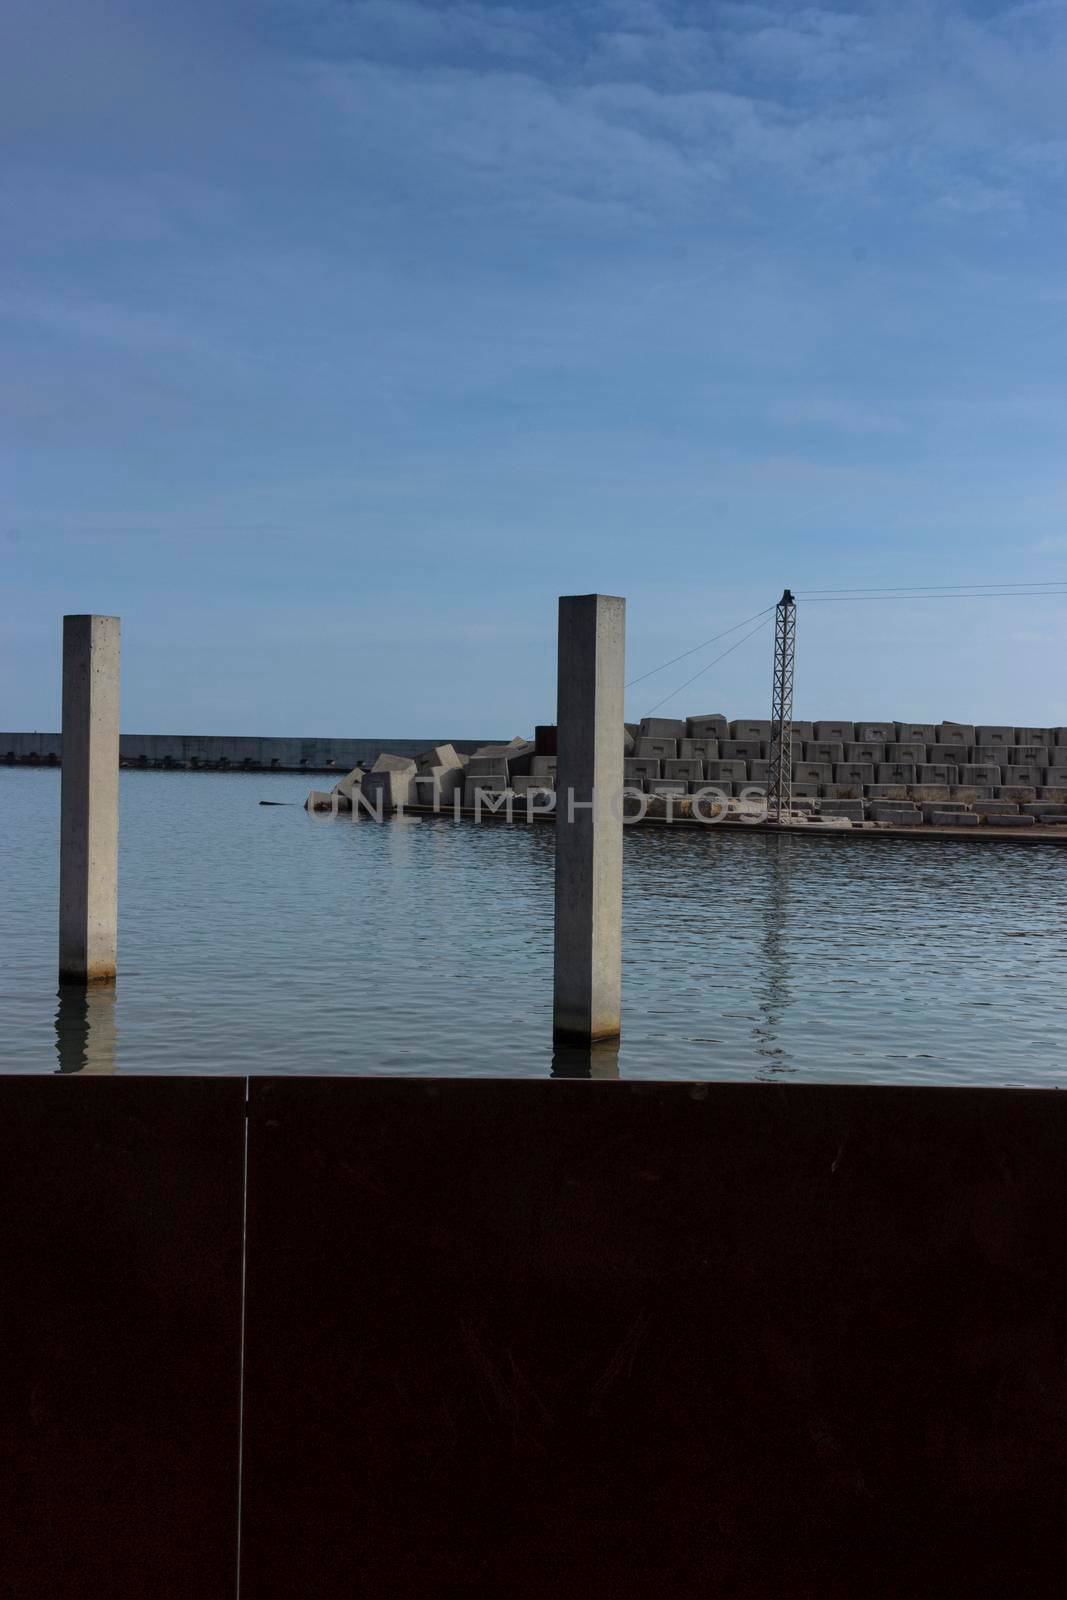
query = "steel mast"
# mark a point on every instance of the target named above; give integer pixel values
(780, 749)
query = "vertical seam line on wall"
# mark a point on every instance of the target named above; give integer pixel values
(241, 1358)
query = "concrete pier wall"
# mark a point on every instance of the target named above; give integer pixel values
(208, 750)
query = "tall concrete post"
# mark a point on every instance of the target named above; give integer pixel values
(589, 781)
(89, 821)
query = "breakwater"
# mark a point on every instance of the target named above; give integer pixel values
(210, 752)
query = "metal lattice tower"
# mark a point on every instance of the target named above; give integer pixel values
(780, 750)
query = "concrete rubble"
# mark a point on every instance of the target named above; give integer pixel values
(869, 773)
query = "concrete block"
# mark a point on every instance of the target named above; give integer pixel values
(841, 791)
(981, 776)
(802, 731)
(896, 772)
(916, 733)
(1058, 755)
(760, 731)
(984, 755)
(940, 792)
(527, 784)
(722, 786)
(1032, 736)
(995, 734)
(854, 772)
(711, 726)
(812, 772)
(544, 766)
(629, 741)
(955, 733)
(731, 771)
(865, 752)
(802, 790)
(742, 749)
(439, 788)
(996, 808)
(876, 732)
(936, 772)
(668, 786)
(757, 771)
(487, 767)
(1052, 819)
(887, 791)
(855, 810)
(402, 764)
(641, 767)
(1029, 755)
(440, 758)
(518, 753)
(827, 751)
(389, 787)
(1056, 790)
(1020, 792)
(971, 792)
(936, 818)
(683, 769)
(900, 816)
(948, 754)
(698, 749)
(994, 821)
(661, 749)
(836, 732)
(350, 783)
(1031, 775)
(664, 728)
(496, 793)
(1060, 739)
(1046, 808)
(906, 752)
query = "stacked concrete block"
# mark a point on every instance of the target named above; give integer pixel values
(802, 731)
(1021, 821)
(388, 783)
(661, 749)
(939, 818)
(488, 767)
(842, 791)
(711, 726)
(835, 732)
(916, 733)
(486, 794)
(955, 733)
(1018, 774)
(906, 752)
(888, 791)
(641, 769)
(873, 753)
(929, 792)
(812, 772)
(1058, 755)
(725, 771)
(440, 757)
(760, 731)
(895, 772)
(936, 772)
(876, 732)
(1024, 793)
(980, 776)
(855, 810)
(757, 771)
(1032, 736)
(527, 784)
(351, 784)
(861, 772)
(828, 751)
(668, 786)
(996, 808)
(698, 749)
(544, 767)
(664, 728)
(988, 755)
(1046, 808)
(1028, 755)
(900, 816)
(1054, 784)
(683, 769)
(743, 749)
(948, 754)
(995, 735)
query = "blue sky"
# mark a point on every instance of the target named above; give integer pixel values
(338, 339)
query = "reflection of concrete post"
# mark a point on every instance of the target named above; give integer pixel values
(89, 824)
(85, 1028)
(588, 945)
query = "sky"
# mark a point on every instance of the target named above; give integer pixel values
(338, 338)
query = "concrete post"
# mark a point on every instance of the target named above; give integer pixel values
(589, 780)
(89, 822)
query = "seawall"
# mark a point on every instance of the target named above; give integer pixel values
(211, 751)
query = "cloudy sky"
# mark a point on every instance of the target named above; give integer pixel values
(339, 337)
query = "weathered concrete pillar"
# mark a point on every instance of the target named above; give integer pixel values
(89, 822)
(588, 947)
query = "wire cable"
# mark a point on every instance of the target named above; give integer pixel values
(735, 646)
(724, 635)
(995, 594)
(1037, 586)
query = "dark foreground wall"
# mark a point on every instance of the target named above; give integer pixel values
(533, 1339)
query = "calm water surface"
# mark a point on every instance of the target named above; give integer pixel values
(260, 939)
